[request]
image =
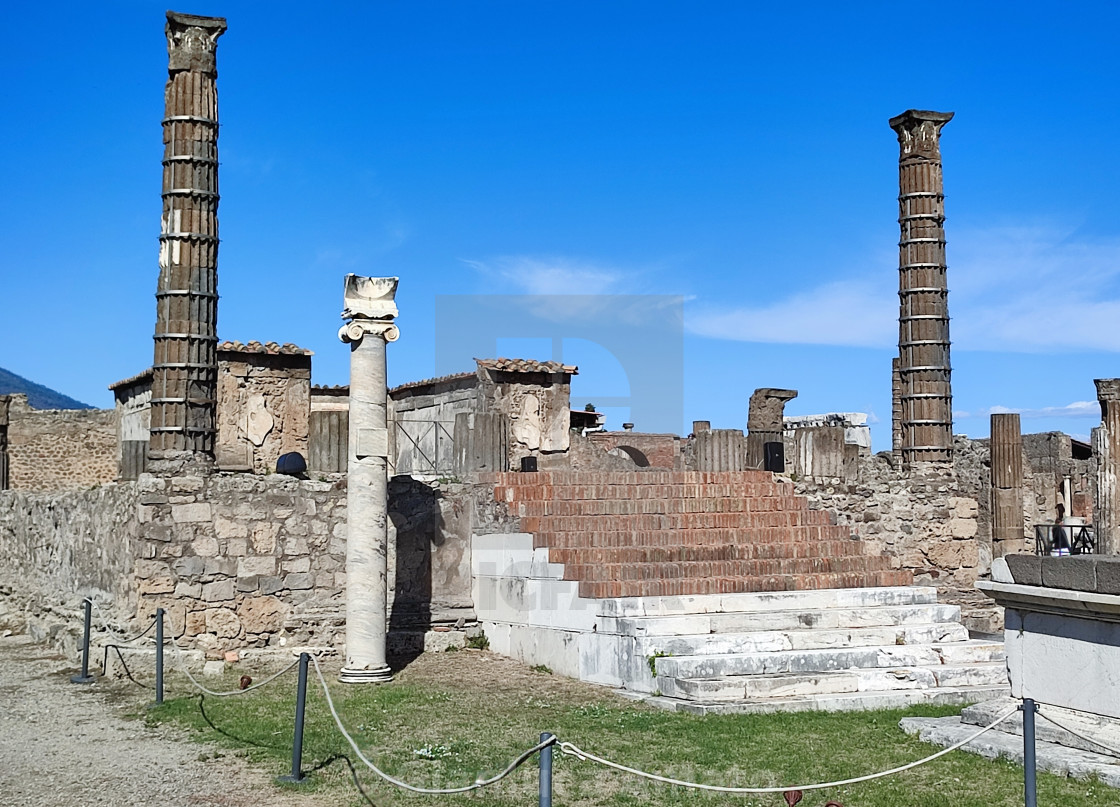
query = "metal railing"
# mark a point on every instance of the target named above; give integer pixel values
(1064, 539)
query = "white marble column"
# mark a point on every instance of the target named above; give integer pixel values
(370, 310)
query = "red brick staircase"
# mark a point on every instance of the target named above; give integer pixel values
(674, 533)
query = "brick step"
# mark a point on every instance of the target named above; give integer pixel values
(773, 641)
(973, 651)
(620, 491)
(680, 587)
(593, 572)
(677, 521)
(658, 477)
(818, 618)
(792, 685)
(807, 534)
(702, 552)
(625, 507)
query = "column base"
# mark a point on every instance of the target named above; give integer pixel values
(356, 675)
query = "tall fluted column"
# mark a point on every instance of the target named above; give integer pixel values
(925, 392)
(185, 368)
(370, 310)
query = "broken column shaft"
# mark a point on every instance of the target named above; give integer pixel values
(185, 367)
(1007, 484)
(925, 392)
(1106, 445)
(370, 310)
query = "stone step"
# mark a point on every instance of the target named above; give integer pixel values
(820, 618)
(973, 651)
(804, 639)
(594, 572)
(768, 602)
(796, 685)
(1105, 730)
(677, 552)
(776, 496)
(651, 477)
(838, 702)
(689, 586)
(605, 538)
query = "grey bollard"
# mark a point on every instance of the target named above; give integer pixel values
(296, 776)
(545, 760)
(85, 677)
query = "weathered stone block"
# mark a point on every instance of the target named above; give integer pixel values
(1078, 573)
(190, 566)
(298, 565)
(229, 528)
(205, 547)
(187, 484)
(150, 568)
(962, 527)
(223, 623)
(264, 537)
(270, 585)
(298, 581)
(1026, 570)
(190, 513)
(247, 584)
(189, 590)
(196, 623)
(220, 567)
(218, 591)
(236, 547)
(1108, 575)
(145, 513)
(262, 614)
(256, 565)
(156, 585)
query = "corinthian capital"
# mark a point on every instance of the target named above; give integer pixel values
(192, 42)
(919, 133)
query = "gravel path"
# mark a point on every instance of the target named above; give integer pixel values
(66, 745)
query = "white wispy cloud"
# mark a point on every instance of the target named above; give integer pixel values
(1032, 289)
(541, 275)
(854, 312)
(1077, 409)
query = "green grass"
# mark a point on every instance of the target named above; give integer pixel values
(449, 718)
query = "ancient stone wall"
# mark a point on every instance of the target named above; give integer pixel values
(925, 519)
(60, 449)
(59, 547)
(264, 404)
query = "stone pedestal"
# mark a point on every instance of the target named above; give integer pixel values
(370, 309)
(764, 422)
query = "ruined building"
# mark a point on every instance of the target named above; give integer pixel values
(724, 569)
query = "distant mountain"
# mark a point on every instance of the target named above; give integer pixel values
(38, 396)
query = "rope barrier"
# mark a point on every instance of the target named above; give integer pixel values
(476, 785)
(572, 750)
(182, 667)
(127, 672)
(101, 617)
(1114, 752)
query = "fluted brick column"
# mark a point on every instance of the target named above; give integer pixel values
(1107, 448)
(185, 367)
(1007, 484)
(925, 391)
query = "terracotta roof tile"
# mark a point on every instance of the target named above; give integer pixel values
(287, 348)
(527, 366)
(132, 379)
(428, 381)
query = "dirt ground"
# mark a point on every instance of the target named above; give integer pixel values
(69, 745)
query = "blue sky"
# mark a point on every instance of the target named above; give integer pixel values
(735, 155)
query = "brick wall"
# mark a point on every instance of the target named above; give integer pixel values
(658, 450)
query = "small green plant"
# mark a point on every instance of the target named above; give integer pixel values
(652, 661)
(451, 648)
(479, 642)
(541, 668)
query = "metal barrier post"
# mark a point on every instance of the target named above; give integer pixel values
(159, 656)
(1030, 791)
(85, 677)
(545, 760)
(296, 776)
